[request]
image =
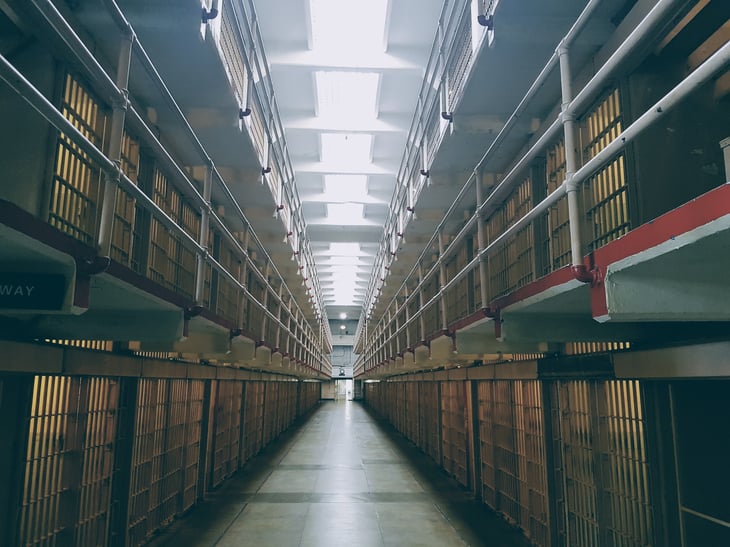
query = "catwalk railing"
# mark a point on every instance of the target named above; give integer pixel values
(569, 193)
(153, 214)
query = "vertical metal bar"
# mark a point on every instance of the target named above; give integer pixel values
(119, 112)
(422, 320)
(571, 160)
(122, 476)
(481, 242)
(205, 441)
(204, 232)
(677, 478)
(442, 281)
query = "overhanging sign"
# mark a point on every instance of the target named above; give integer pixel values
(31, 291)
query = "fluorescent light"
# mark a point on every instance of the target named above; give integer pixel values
(343, 315)
(347, 96)
(346, 148)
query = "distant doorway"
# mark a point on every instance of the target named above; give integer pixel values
(344, 390)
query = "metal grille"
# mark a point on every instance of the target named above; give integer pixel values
(460, 60)
(432, 315)
(625, 469)
(191, 456)
(253, 418)
(512, 266)
(99, 345)
(578, 348)
(602, 460)
(170, 263)
(76, 180)
(227, 421)
(429, 431)
(487, 442)
(577, 432)
(227, 303)
(257, 129)
(605, 195)
(232, 56)
(69, 461)
(531, 461)
(411, 403)
(270, 409)
(123, 236)
(453, 420)
(558, 228)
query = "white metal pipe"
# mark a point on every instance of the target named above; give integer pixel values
(116, 135)
(205, 211)
(571, 153)
(481, 243)
(659, 14)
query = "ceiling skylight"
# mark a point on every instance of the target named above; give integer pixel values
(347, 95)
(345, 213)
(345, 188)
(345, 249)
(346, 148)
(338, 22)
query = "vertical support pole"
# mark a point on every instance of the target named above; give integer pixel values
(16, 394)
(422, 319)
(267, 288)
(571, 160)
(481, 242)
(278, 316)
(442, 282)
(476, 444)
(124, 448)
(408, 316)
(119, 112)
(204, 231)
(205, 440)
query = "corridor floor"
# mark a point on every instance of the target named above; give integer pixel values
(340, 479)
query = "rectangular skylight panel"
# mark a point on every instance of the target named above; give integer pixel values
(347, 95)
(352, 24)
(339, 188)
(346, 148)
(345, 213)
(345, 249)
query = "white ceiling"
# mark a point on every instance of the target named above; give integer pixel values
(346, 87)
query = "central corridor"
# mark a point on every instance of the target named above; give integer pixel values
(340, 478)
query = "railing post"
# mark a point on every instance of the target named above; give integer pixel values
(571, 161)
(442, 282)
(481, 242)
(422, 319)
(265, 300)
(116, 136)
(203, 236)
(408, 316)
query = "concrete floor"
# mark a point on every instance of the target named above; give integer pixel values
(340, 479)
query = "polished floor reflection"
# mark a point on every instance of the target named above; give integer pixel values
(341, 478)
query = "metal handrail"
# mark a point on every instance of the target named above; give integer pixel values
(98, 74)
(428, 94)
(705, 71)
